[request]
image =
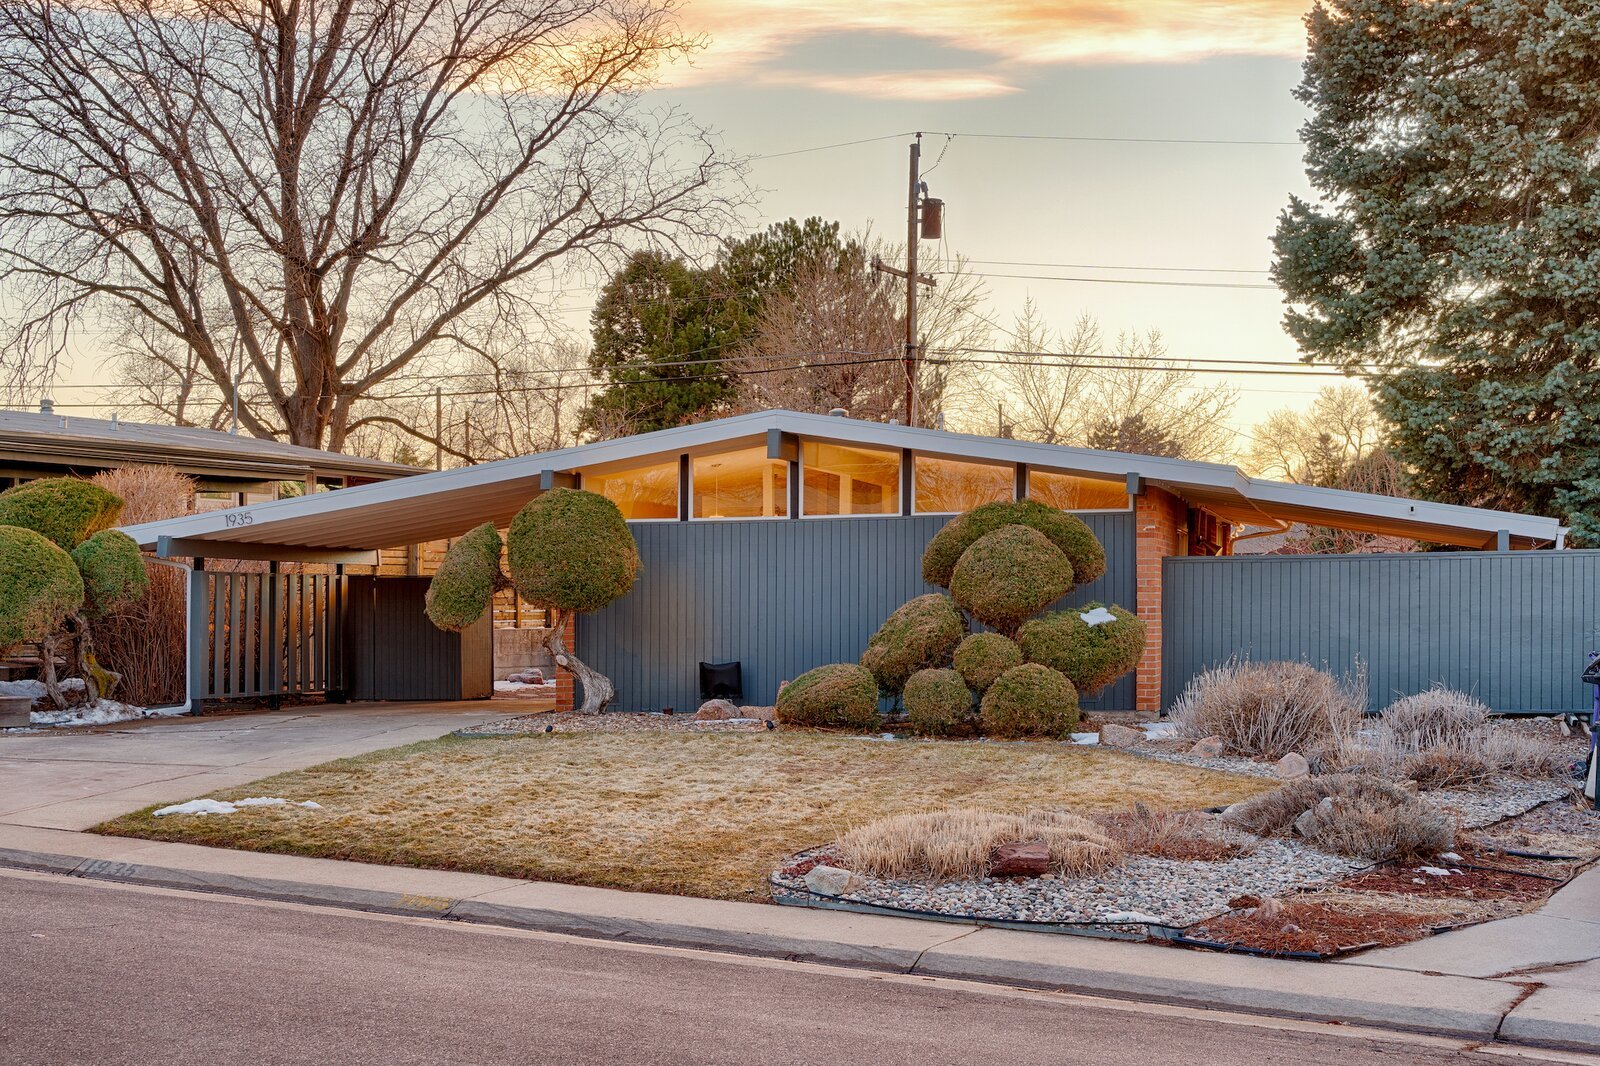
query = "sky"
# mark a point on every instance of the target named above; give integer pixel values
(999, 88)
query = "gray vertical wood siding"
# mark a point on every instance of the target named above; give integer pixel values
(1513, 628)
(782, 597)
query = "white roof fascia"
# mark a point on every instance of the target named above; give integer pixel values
(1176, 473)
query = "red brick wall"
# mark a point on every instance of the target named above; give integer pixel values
(1159, 522)
(566, 690)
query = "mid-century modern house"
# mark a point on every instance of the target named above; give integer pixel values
(781, 540)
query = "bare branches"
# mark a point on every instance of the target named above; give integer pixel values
(332, 196)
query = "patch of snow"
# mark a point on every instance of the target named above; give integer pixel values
(106, 712)
(1434, 871)
(1086, 738)
(211, 806)
(1098, 617)
(518, 686)
(1450, 856)
(1159, 730)
(28, 687)
(1129, 918)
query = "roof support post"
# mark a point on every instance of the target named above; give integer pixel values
(685, 483)
(1135, 485)
(908, 462)
(1021, 490)
(557, 479)
(1502, 540)
(781, 445)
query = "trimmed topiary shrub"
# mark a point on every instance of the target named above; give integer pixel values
(1010, 574)
(1067, 532)
(571, 550)
(1091, 656)
(939, 704)
(982, 657)
(39, 586)
(1029, 701)
(63, 510)
(922, 633)
(840, 696)
(113, 571)
(467, 579)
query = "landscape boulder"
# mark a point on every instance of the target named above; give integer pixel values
(1212, 747)
(832, 881)
(716, 711)
(1292, 766)
(1120, 736)
(1020, 858)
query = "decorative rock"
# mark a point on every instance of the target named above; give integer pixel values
(832, 881)
(716, 711)
(1120, 736)
(1212, 747)
(1292, 766)
(1269, 909)
(1321, 811)
(760, 714)
(1025, 858)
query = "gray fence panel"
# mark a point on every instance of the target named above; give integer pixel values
(1513, 628)
(783, 597)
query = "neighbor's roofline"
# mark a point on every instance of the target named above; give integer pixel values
(1176, 473)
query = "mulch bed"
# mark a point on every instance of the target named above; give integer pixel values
(1315, 929)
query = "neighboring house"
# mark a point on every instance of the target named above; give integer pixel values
(782, 540)
(229, 469)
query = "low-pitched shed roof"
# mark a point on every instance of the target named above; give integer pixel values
(448, 503)
(37, 439)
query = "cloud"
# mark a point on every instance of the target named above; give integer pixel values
(899, 85)
(746, 35)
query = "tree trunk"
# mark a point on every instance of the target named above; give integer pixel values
(98, 681)
(598, 691)
(47, 653)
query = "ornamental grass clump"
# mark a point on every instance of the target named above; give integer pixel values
(1029, 701)
(1010, 575)
(939, 704)
(959, 844)
(839, 696)
(1357, 815)
(920, 634)
(982, 657)
(1267, 710)
(1068, 533)
(1442, 738)
(1092, 656)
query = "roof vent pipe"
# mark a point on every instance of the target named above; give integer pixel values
(839, 412)
(47, 406)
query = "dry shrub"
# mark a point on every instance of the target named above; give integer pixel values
(144, 641)
(1367, 827)
(1349, 814)
(1270, 709)
(1442, 738)
(1166, 834)
(956, 844)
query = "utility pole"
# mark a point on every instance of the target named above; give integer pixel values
(916, 226)
(438, 428)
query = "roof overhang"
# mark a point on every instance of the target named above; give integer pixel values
(435, 506)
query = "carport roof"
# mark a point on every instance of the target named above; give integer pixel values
(447, 503)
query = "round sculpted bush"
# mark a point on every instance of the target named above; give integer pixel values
(63, 510)
(113, 571)
(982, 657)
(1067, 532)
(464, 586)
(840, 696)
(1092, 656)
(1029, 701)
(1009, 575)
(939, 704)
(921, 633)
(571, 550)
(39, 586)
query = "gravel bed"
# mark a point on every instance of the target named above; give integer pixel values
(1230, 764)
(1494, 801)
(1140, 890)
(615, 722)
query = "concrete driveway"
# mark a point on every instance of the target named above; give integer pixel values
(74, 781)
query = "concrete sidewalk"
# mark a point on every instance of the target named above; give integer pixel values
(1531, 980)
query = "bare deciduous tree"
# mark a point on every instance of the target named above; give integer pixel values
(1317, 446)
(333, 197)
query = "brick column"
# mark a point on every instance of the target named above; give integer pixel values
(1159, 519)
(566, 690)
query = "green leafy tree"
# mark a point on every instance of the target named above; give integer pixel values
(1451, 254)
(60, 568)
(568, 552)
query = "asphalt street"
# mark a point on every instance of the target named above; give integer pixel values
(101, 973)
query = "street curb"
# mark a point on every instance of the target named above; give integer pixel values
(1462, 1007)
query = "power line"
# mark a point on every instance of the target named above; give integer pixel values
(1108, 266)
(1120, 281)
(839, 144)
(1110, 140)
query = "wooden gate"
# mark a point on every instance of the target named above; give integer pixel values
(261, 635)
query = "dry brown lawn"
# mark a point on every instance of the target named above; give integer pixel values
(699, 815)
